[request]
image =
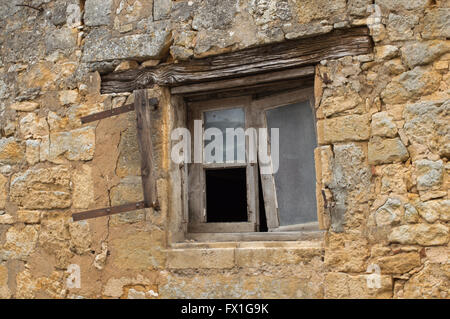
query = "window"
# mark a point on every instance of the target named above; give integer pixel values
(242, 185)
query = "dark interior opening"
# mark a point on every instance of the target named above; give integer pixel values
(262, 209)
(226, 195)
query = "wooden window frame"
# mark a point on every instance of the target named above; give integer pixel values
(255, 116)
(197, 185)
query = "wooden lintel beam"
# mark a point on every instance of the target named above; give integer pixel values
(108, 211)
(257, 60)
(116, 111)
(244, 81)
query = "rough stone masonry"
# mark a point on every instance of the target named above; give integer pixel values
(384, 144)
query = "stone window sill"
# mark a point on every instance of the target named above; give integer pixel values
(226, 255)
(255, 236)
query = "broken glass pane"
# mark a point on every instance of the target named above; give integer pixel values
(295, 180)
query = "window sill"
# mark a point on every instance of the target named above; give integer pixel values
(256, 236)
(231, 254)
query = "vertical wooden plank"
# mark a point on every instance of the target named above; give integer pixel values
(251, 122)
(252, 198)
(194, 175)
(144, 134)
(267, 180)
(270, 200)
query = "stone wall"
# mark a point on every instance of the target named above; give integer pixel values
(383, 156)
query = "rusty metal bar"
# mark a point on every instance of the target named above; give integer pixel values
(108, 211)
(115, 111)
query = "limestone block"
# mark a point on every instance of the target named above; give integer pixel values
(426, 124)
(68, 97)
(213, 14)
(134, 13)
(358, 7)
(100, 46)
(435, 24)
(63, 39)
(6, 219)
(11, 151)
(339, 100)
(310, 10)
(29, 216)
(395, 5)
(385, 151)
(343, 128)
(24, 106)
(421, 53)
(32, 126)
(20, 241)
(433, 210)
(97, 12)
(431, 282)
(399, 263)
(386, 52)
(161, 9)
(395, 178)
(54, 237)
(346, 252)
(411, 85)
(390, 213)
(42, 188)
(383, 125)
(429, 174)
(395, 66)
(437, 255)
(295, 31)
(350, 169)
(421, 234)
(400, 26)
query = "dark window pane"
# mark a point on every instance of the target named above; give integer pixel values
(226, 195)
(295, 180)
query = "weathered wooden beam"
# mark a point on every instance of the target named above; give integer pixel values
(244, 81)
(258, 91)
(116, 111)
(108, 211)
(144, 134)
(273, 57)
